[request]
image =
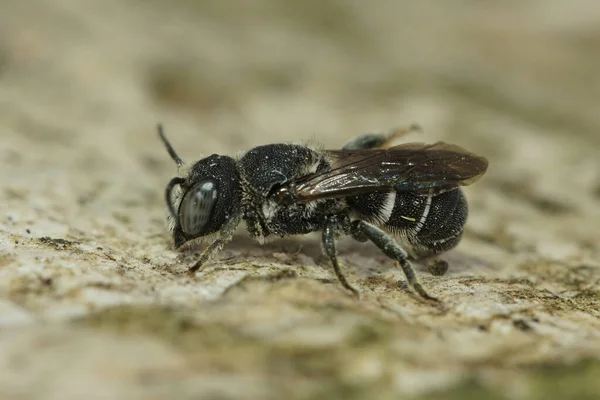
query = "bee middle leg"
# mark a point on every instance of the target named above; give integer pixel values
(361, 229)
(329, 231)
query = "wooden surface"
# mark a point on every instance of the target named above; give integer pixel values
(90, 300)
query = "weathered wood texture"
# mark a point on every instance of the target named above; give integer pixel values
(91, 304)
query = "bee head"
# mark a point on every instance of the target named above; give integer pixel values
(209, 196)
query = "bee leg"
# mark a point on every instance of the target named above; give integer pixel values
(225, 237)
(437, 267)
(393, 250)
(379, 140)
(330, 250)
(358, 235)
(366, 141)
(211, 249)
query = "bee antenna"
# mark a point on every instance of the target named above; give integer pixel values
(170, 149)
(174, 182)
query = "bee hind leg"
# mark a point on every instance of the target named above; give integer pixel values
(379, 140)
(437, 267)
(391, 249)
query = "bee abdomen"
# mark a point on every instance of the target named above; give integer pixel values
(443, 227)
(426, 224)
(375, 207)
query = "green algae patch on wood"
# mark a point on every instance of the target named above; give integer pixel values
(578, 382)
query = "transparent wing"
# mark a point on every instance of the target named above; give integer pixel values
(410, 166)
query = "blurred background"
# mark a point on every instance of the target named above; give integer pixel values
(516, 81)
(83, 84)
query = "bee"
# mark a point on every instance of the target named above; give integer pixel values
(406, 199)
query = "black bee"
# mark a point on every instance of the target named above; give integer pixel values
(406, 199)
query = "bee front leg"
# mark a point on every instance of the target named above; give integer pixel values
(225, 236)
(329, 231)
(211, 249)
(391, 249)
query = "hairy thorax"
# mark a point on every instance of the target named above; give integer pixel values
(267, 169)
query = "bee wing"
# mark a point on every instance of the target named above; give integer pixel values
(410, 166)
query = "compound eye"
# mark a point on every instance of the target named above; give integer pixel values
(196, 206)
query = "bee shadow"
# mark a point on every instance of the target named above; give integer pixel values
(306, 250)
